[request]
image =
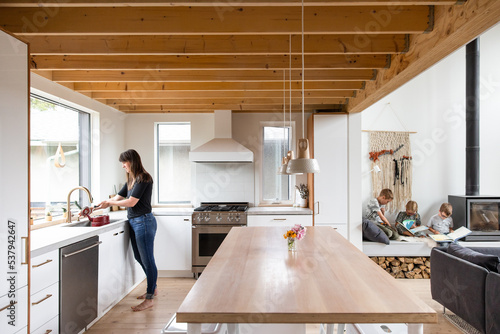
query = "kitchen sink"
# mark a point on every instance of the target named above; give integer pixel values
(87, 223)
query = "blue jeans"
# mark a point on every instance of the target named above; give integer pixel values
(142, 237)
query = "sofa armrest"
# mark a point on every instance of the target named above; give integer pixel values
(492, 303)
(459, 286)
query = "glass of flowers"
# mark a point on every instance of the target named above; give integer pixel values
(297, 232)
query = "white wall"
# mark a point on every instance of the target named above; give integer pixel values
(245, 129)
(433, 105)
(108, 133)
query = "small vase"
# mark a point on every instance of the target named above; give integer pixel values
(292, 244)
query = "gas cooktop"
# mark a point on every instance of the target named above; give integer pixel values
(216, 207)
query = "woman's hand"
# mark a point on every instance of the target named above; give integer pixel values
(102, 205)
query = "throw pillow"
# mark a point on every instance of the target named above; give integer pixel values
(373, 233)
(487, 261)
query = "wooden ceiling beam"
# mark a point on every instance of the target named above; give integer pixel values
(455, 26)
(311, 62)
(220, 94)
(147, 78)
(190, 87)
(234, 107)
(221, 4)
(216, 45)
(222, 101)
(212, 20)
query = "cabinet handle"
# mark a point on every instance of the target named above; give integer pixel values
(186, 219)
(26, 252)
(83, 249)
(5, 307)
(282, 219)
(122, 232)
(115, 234)
(41, 264)
(41, 300)
(317, 211)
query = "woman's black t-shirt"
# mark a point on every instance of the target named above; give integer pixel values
(142, 191)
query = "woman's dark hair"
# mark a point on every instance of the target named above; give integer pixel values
(137, 171)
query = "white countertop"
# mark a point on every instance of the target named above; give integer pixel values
(51, 238)
(279, 210)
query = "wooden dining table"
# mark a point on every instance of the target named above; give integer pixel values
(254, 278)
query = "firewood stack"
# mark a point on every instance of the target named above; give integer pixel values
(405, 267)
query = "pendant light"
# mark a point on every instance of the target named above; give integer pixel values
(303, 163)
(284, 164)
(283, 169)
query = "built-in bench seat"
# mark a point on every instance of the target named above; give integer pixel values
(398, 248)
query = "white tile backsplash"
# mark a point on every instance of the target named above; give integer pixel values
(224, 182)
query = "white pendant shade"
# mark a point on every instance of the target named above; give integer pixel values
(283, 169)
(303, 164)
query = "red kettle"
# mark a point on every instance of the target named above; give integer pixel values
(95, 221)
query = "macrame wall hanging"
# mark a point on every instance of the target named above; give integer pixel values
(391, 152)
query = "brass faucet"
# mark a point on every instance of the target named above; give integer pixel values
(68, 219)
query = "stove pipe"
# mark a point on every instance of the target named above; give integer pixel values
(472, 118)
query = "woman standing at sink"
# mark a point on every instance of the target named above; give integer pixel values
(136, 197)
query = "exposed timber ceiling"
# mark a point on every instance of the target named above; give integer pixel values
(201, 55)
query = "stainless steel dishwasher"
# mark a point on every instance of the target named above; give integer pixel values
(78, 284)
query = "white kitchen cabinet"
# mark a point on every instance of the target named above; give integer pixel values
(51, 326)
(286, 221)
(113, 254)
(44, 305)
(14, 312)
(328, 139)
(44, 290)
(14, 196)
(173, 244)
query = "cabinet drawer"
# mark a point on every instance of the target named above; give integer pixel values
(44, 305)
(286, 221)
(18, 312)
(50, 327)
(44, 271)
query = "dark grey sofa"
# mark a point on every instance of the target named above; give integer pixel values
(469, 290)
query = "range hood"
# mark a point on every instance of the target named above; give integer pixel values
(222, 148)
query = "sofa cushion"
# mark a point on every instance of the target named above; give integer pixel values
(487, 261)
(373, 233)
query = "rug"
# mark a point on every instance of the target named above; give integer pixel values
(461, 324)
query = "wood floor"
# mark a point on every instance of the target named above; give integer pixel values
(121, 320)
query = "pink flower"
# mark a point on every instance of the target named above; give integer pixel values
(299, 230)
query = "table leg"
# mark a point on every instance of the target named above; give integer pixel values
(233, 329)
(327, 328)
(415, 328)
(193, 328)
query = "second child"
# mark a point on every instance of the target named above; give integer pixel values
(409, 214)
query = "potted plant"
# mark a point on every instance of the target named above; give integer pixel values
(65, 212)
(304, 195)
(48, 216)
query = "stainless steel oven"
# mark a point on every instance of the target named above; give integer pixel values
(211, 223)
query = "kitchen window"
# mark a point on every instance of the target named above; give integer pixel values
(276, 142)
(59, 156)
(173, 168)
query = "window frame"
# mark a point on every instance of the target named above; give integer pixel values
(84, 145)
(291, 178)
(156, 188)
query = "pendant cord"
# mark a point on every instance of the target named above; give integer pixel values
(290, 77)
(302, 68)
(284, 109)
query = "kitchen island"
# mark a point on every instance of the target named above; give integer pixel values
(253, 278)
